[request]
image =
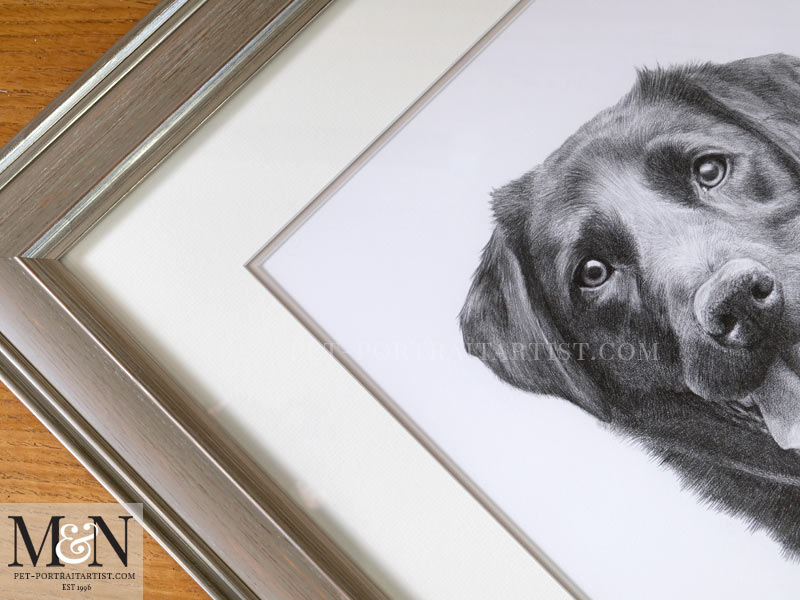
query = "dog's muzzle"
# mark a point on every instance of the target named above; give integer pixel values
(740, 306)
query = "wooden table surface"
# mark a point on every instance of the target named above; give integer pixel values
(44, 46)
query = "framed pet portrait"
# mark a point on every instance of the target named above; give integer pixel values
(451, 300)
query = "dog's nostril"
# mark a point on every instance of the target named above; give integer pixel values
(762, 289)
(727, 323)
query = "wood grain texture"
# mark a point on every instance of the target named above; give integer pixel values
(44, 46)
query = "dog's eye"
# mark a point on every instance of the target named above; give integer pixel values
(710, 171)
(592, 273)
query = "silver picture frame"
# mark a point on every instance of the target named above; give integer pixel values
(80, 372)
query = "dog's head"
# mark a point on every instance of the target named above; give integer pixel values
(649, 269)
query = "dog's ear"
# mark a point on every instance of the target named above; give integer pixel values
(505, 322)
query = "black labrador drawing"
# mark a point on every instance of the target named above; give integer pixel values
(669, 224)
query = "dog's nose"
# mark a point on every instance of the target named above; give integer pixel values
(740, 303)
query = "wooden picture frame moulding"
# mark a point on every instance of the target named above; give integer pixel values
(225, 520)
